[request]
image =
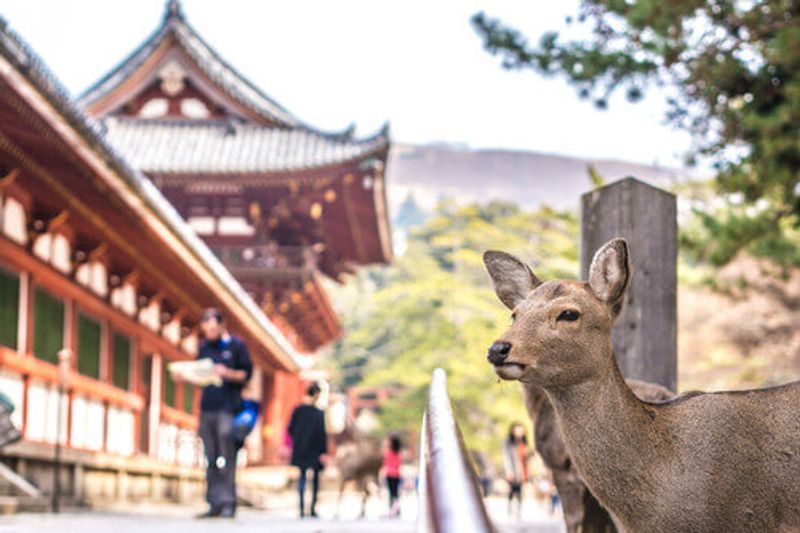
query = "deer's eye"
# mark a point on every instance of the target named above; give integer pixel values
(568, 316)
(513, 317)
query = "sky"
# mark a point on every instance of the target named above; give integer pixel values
(417, 64)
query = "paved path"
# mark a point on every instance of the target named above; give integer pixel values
(281, 518)
(246, 522)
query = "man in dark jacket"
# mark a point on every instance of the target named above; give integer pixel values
(218, 407)
(309, 442)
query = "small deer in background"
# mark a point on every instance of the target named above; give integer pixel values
(702, 462)
(358, 459)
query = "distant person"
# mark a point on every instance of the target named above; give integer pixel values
(309, 443)
(218, 406)
(485, 470)
(392, 461)
(515, 462)
(555, 500)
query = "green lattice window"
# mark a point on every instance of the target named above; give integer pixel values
(48, 330)
(169, 386)
(90, 338)
(9, 308)
(121, 369)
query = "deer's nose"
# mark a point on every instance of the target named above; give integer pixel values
(498, 352)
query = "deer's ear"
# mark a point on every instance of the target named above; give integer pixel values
(512, 279)
(610, 274)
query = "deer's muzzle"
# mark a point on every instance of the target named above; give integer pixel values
(498, 352)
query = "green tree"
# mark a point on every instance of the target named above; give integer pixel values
(732, 71)
(435, 308)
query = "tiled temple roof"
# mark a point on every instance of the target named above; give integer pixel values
(230, 146)
(234, 84)
(220, 145)
(15, 51)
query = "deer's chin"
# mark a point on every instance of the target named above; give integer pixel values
(509, 371)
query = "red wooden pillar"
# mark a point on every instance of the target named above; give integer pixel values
(284, 392)
(276, 419)
(25, 338)
(154, 415)
(269, 441)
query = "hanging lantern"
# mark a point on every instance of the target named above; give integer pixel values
(316, 211)
(255, 212)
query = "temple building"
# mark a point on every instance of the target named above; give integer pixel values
(171, 185)
(277, 200)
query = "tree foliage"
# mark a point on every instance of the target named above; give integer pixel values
(435, 308)
(732, 72)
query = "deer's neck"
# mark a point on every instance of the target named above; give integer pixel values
(535, 397)
(606, 431)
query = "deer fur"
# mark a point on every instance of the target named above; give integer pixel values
(360, 463)
(358, 459)
(582, 512)
(702, 462)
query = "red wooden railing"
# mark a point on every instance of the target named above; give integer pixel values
(29, 366)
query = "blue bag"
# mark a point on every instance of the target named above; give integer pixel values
(245, 421)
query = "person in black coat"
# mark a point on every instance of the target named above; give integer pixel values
(309, 443)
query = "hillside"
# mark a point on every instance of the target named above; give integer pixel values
(528, 179)
(748, 340)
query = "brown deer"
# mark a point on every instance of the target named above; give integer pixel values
(582, 512)
(358, 459)
(724, 461)
(360, 463)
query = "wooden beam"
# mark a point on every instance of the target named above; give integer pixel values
(9, 178)
(645, 334)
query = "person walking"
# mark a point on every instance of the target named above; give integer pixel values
(486, 471)
(392, 461)
(218, 406)
(309, 444)
(515, 462)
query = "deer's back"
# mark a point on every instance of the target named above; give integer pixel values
(359, 462)
(731, 459)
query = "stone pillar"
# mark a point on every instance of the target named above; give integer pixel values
(645, 334)
(22, 467)
(156, 487)
(187, 489)
(122, 485)
(79, 482)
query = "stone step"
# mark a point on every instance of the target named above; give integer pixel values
(23, 504)
(8, 476)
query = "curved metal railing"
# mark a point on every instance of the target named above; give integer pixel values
(449, 497)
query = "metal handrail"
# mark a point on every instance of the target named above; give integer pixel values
(449, 497)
